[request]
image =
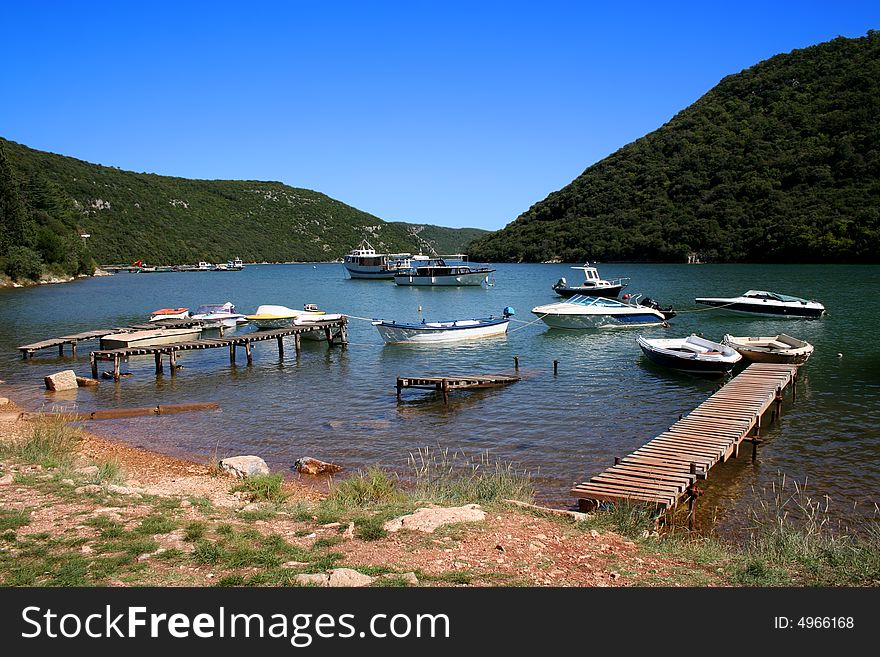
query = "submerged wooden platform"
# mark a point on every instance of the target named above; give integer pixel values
(666, 469)
(334, 333)
(446, 384)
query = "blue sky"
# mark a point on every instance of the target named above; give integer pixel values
(452, 113)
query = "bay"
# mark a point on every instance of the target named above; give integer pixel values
(606, 400)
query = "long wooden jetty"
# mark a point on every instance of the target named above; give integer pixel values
(334, 333)
(29, 350)
(666, 469)
(446, 384)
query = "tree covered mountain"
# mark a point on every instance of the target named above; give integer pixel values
(778, 163)
(47, 201)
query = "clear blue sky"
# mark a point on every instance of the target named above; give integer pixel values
(452, 113)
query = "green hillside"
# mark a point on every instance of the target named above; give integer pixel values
(778, 163)
(165, 220)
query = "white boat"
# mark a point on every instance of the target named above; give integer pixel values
(274, 317)
(315, 318)
(445, 331)
(204, 266)
(584, 312)
(780, 348)
(593, 285)
(169, 313)
(437, 273)
(235, 264)
(364, 262)
(149, 338)
(692, 354)
(767, 304)
(220, 313)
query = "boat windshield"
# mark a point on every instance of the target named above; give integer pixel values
(584, 300)
(215, 308)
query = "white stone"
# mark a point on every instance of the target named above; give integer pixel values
(65, 380)
(428, 520)
(244, 466)
(348, 577)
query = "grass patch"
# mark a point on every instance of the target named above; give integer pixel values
(109, 472)
(12, 519)
(156, 523)
(370, 528)
(194, 531)
(445, 477)
(370, 488)
(263, 488)
(52, 443)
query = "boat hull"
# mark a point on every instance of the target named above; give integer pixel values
(452, 280)
(401, 333)
(708, 362)
(777, 310)
(600, 321)
(149, 338)
(771, 350)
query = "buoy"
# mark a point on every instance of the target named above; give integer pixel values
(420, 309)
(839, 355)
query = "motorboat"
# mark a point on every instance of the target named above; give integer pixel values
(780, 348)
(587, 312)
(315, 319)
(274, 317)
(219, 313)
(169, 313)
(444, 331)
(767, 304)
(149, 338)
(436, 272)
(692, 354)
(668, 312)
(364, 262)
(593, 285)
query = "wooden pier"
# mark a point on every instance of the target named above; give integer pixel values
(28, 350)
(666, 469)
(334, 333)
(446, 384)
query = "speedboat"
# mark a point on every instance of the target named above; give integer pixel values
(169, 313)
(445, 331)
(221, 313)
(780, 348)
(364, 262)
(585, 312)
(274, 317)
(234, 265)
(313, 317)
(436, 272)
(592, 285)
(768, 304)
(149, 338)
(692, 354)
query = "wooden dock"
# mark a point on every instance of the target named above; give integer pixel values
(28, 350)
(666, 469)
(446, 384)
(334, 333)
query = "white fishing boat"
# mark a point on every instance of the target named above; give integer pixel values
(780, 348)
(444, 331)
(436, 272)
(767, 304)
(692, 354)
(364, 262)
(169, 313)
(593, 285)
(149, 338)
(586, 312)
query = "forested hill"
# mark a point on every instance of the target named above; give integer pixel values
(778, 163)
(165, 220)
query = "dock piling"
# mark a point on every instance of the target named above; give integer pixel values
(555, 367)
(516, 363)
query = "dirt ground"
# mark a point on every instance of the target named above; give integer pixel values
(511, 546)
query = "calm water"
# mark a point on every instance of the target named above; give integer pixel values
(606, 401)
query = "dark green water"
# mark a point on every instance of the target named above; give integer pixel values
(606, 401)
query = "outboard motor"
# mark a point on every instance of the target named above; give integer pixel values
(668, 313)
(508, 312)
(560, 283)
